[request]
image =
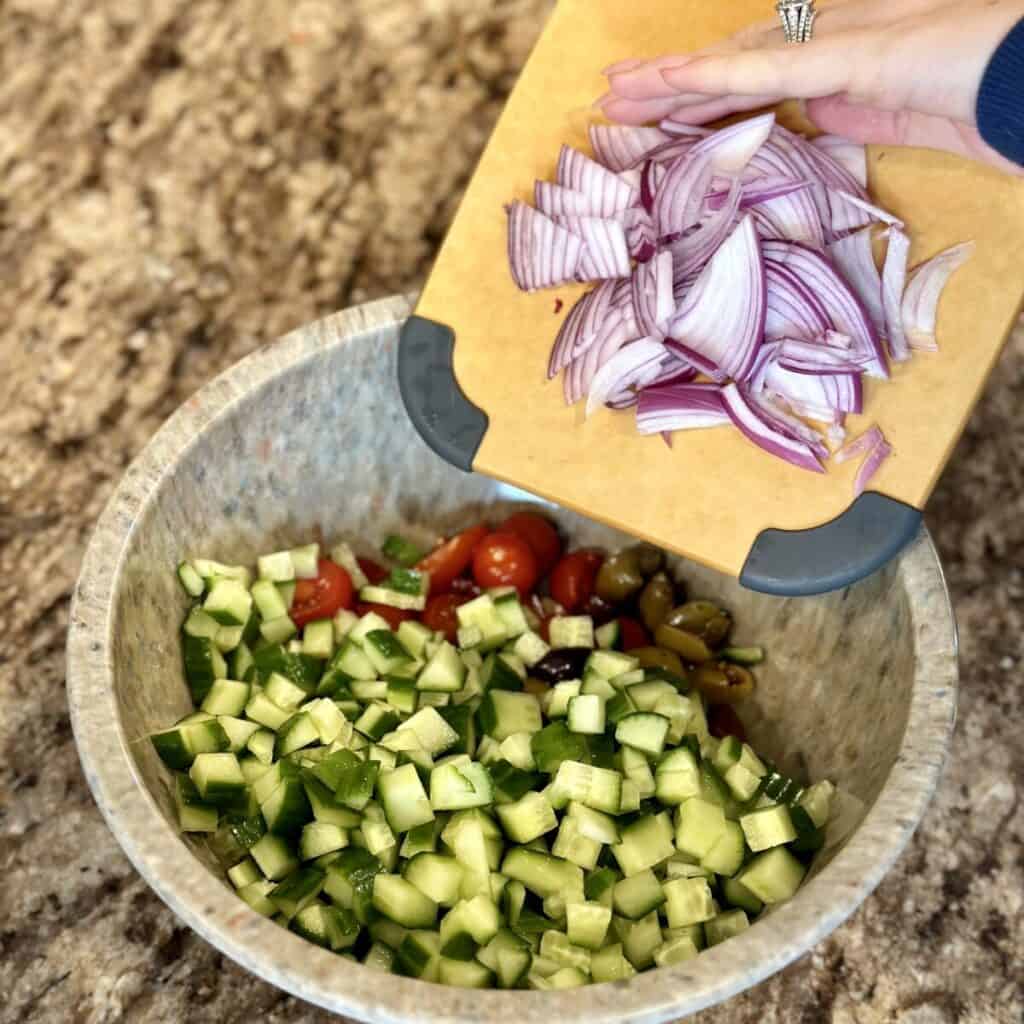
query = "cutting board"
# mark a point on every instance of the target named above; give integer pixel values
(472, 360)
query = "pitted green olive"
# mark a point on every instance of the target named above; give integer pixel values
(688, 646)
(722, 683)
(658, 657)
(656, 600)
(619, 576)
(703, 619)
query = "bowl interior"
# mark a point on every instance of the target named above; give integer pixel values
(322, 449)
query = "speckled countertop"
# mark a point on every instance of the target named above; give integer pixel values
(183, 181)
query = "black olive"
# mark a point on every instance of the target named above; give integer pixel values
(561, 664)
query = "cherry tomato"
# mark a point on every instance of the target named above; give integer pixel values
(504, 559)
(572, 581)
(540, 534)
(394, 617)
(372, 570)
(322, 596)
(633, 634)
(723, 721)
(452, 558)
(440, 613)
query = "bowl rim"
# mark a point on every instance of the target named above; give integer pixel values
(212, 910)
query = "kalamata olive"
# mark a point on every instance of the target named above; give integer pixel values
(656, 601)
(703, 619)
(723, 721)
(722, 683)
(658, 657)
(688, 646)
(600, 610)
(619, 576)
(561, 664)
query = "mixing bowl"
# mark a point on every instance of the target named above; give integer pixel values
(308, 438)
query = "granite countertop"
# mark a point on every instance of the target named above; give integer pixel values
(181, 182)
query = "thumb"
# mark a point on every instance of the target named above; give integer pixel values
(860, 123)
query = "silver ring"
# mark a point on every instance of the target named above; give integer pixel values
(797, 19)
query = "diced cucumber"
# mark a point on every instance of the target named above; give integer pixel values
(598, 685)
(349, 882)
(571, 845)
(276, 631)
(482, 613)
(178, 747)
(527, 818)
(435, 735)
(218, 779)
(645, 843)
(318, 639)
(226, 697)
(726, 855)
(745, 775)
(464, 974)
(598, 788)
(228, 602)
(387, 594)
(700, 824)
(736, 894)
(643, 731)
(238, 731)
(203, 663)
(400, 901)
(530, 648)
(379, 957)
(404, 799)
(609, 964)
(194, 814)
(287, 809)
(817, 802)
(376, 720)
(508, 956)
(244, 873)
(688, 901)
(503, 713)
(639, 939)
(385, 651)
(586, 714)
(541, 873)
(305, 561)
(297, 891)
(299, 731)
(635, 897)
(743, 655)
(608, 635)
(268, 600)
(677, 777)
(773, 876)
(444, 672)
(455, 787)
(558, 697)
(674, 951)
(343, 555)
(571, 631)
(319, 838)
(766, 828)
(274, 857)
(436, 876)
(646, 695)
(610, 664)
(725, 926)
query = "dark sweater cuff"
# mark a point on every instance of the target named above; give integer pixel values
(1000, 109)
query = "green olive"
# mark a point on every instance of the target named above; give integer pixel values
(656, 600)
(723, 683)
(619, 576)
(649, 558)
(703, 619)
(658, 657)
(688, 646)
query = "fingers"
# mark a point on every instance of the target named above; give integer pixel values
(714, 108)
(902, 128)
(637, 111)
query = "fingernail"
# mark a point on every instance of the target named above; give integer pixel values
(622, 65)
(602, 101)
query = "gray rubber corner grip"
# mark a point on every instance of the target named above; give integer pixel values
(800, 563)
(448, 421)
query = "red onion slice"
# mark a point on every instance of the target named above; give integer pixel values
(652, 295)
(605, 253)
(773, 412)
(792, 310)
(731, 149)
(568, 336)
(557, 201)
(683, 130)
(859, 445)
(722, 316)
(791, 216)
(541, 254)
(894, 279)
(845, 311)
(692, 252)
(623, 370)
(678, 203)
(870, 466)
(921, 299)
(680, 407)
(622, 147)
(756, 428)
(855, 259)
(852, 156)
(578, 172)
(872, 211)
(834, 392)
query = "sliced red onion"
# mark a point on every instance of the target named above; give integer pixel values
(755, 426)
(622, 147)
(666, 436)
(786, 152)
(613, 331)
(651, 178)
(853, 156)
(788, 424)
(683, 130)
(652, 295)
(577, 171)
(605, 253)
(921, 299)
(623, 370)
(859, 445)
(540, 253)
(568, 336)
(810, 357)
(556, 201)
(854, 257)
(673, 371)
(842, 391)
(762, 190)
(722, 316)
(870, 466)
(791, 216)
(678, 203)
(641, 238)
(792, 310)
(831, 172)
(731, 149)
(680, 407)
(696, 360)
(845, 311)
(692, 252)
(894, 279)
(872, 211)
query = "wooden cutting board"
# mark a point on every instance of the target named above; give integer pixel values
(713, 496)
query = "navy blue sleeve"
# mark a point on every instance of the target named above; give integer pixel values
(1000, 108)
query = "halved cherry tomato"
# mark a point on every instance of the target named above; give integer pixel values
(632, 634)
(322, 596)
(372, 570)
(440, 613)
(394, 617)
(540, 534)
(505, 559)
(452, 558)
(572, 581)
(723, 721)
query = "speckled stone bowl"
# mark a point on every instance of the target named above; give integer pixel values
(307, 438)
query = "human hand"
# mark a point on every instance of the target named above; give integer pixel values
(903, 72)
